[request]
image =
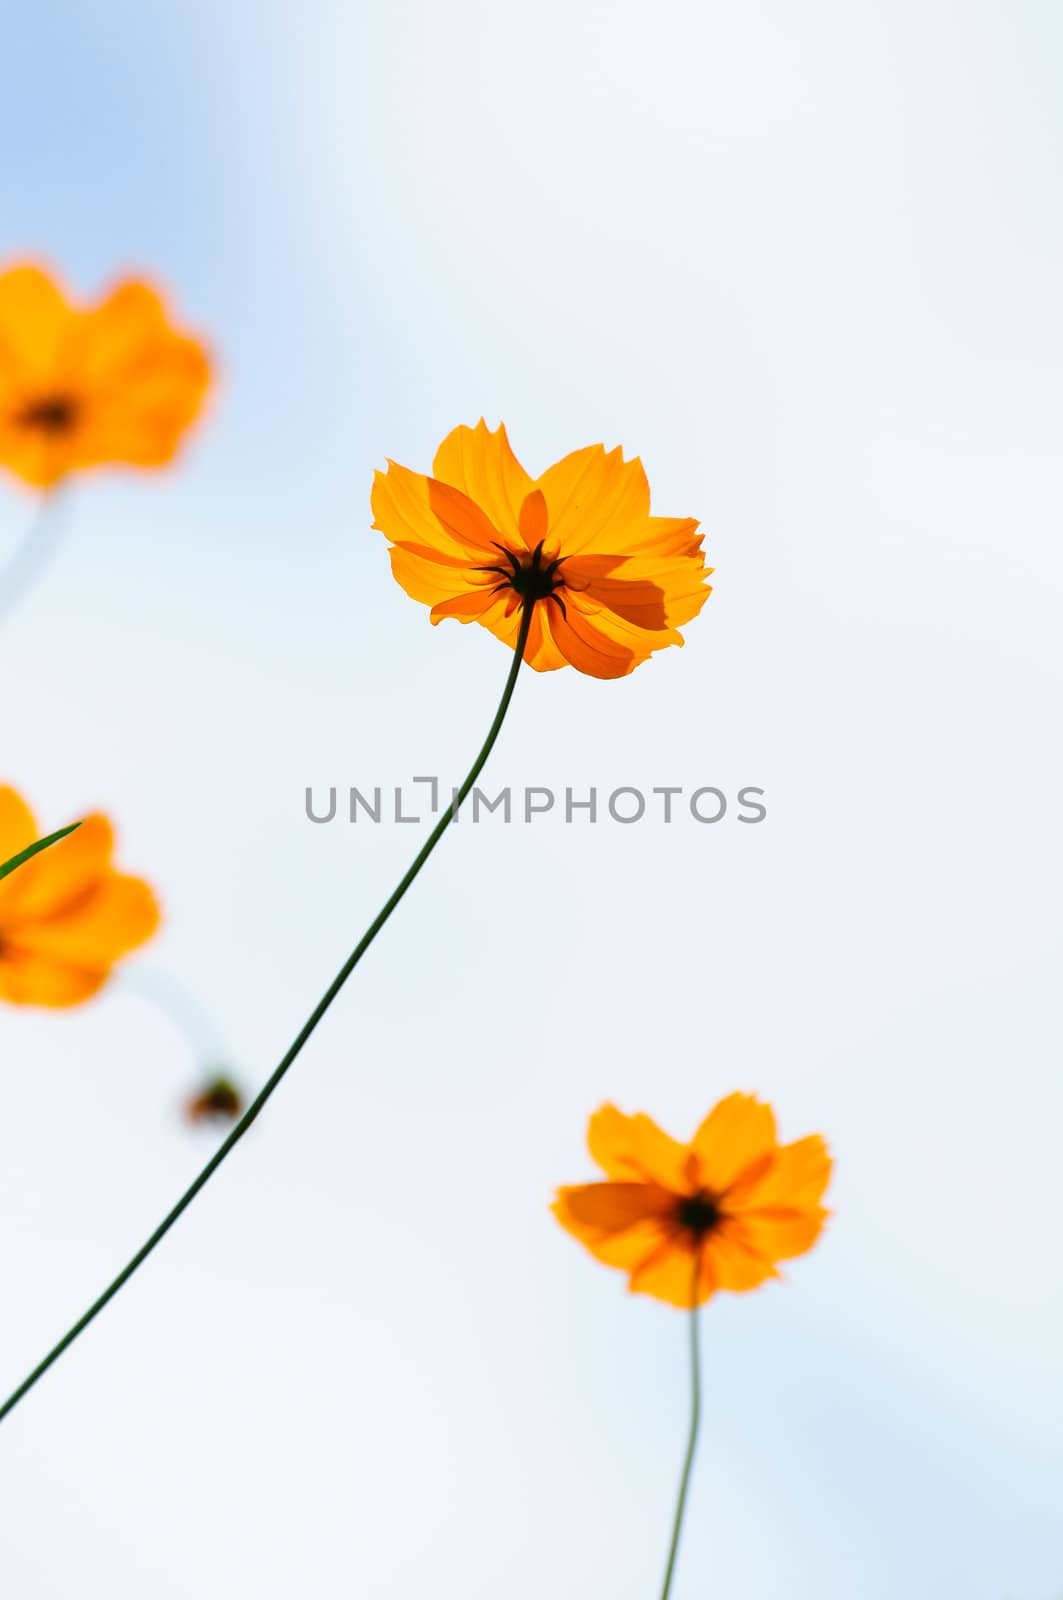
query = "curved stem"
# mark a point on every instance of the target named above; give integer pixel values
(692, 1439)
(300, 1040)
(31, 556)
(177, 1005)
(215, 1094)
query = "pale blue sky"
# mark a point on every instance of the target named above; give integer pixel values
(806, 262)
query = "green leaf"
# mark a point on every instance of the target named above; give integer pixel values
(35, 849)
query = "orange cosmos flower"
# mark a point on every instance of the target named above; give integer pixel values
(66, 916)
(717, 1213)
(609, 583)
(107, 384)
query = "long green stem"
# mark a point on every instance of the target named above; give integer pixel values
(692, 1438)
(31, 556)
(300, 1040)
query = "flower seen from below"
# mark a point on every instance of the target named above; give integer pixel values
(66, 916)
(609, 583)
(106, 384)
(684, 1220)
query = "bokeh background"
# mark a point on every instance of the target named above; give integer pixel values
(806, 261)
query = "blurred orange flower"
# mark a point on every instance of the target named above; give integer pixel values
(729, 1204)
(66, 916)
(610, 584)
(104, 385)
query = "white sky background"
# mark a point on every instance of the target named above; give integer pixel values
(806, 262)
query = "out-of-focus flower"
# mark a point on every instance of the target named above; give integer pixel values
(104, 385)
(609, 583)
(684, 1220)
(66, 916)
(219, 1100)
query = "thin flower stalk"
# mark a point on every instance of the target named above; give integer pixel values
(692, 1436)
(295, 1049)
(34, 551)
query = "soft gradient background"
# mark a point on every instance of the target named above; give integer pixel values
(805, 260)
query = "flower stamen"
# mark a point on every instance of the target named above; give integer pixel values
(529, 576)
(699, 1213)
(55, 413)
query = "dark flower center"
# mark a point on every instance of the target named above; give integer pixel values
(532, 577)
(56, 413)
(698, 1213)
(220, 1100)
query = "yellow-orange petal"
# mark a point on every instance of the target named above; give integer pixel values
(737, 1263)
(621, 1225)
(143, 423)
(588, 645)
(482, 465)
(669, 538)
(139, 383)
(595, 495)
(605, 582)
(115, 916)
(668, 1274)
(402, 510)
(598, 1209)
(18, 829)
(534, 519)
(794, 1179)
(780, 1234)
(635, 1149)
(62, 875)
(40, 459)
(502, 617)
(656, 538)
(119, 340)
(605, 630)
(650, 591)
(621, 630)
(463, 519)
(541, 651)
(469, 607)
(30, 980)
(737, 1133)
(625, 1250)
(431, 578)
(34, 324)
